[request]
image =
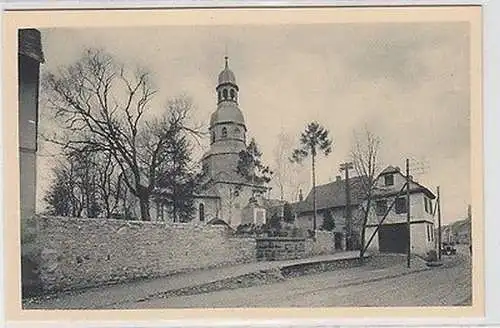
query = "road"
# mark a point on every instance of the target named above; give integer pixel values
(447, 285)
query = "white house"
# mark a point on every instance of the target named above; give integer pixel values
(392, 235)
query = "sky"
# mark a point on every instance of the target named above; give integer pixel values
(408, 83)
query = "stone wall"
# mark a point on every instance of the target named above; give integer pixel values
(285, 248)
(324, 244)
(78, 253)
(280, 248)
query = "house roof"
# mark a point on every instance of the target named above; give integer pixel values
(332, 195)
(390, 169)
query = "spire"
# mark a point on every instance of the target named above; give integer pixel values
(226, 76)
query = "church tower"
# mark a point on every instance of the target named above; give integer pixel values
(233, 191)
(227, 129)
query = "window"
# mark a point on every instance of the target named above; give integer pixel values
(201, 212)
(426, 205)
(428, 232)
(430, 206)
(224, 93)
(236, 131)
(213, 136)
(381, 207)
(219, 96)
(389, 180)
(401, 205)
(224, 132)
(233, 94)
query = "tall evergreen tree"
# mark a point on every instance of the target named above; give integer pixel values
(250, 165)
(313, 140)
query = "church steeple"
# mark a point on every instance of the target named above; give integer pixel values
(227, 124)
(227, 89)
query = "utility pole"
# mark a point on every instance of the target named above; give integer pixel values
(439, 221)
(408, 210)
(314, 194)
(346, 167)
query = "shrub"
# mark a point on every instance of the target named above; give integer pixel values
(431, 256)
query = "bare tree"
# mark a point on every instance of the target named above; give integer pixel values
(364, 155)
(108, 103)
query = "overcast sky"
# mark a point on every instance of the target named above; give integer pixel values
(408, 83)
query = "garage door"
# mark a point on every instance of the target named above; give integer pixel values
(393, 238)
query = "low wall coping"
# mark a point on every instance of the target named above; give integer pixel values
(279, 239)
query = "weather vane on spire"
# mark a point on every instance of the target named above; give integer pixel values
(226, 58)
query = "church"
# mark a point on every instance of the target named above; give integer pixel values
(226, 194)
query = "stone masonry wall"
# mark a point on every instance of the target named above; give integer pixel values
(79, 253)
(283, 248)
(280, 248)
(324, 244)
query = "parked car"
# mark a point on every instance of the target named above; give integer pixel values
(448, 249)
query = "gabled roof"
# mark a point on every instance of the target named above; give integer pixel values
(332, 195)
(390, 169)
(414, 185)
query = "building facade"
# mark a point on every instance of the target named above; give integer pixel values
(390, 197)
(30, 56)
(389, 235)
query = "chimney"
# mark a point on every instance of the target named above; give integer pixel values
(301, 198)
(338, 178)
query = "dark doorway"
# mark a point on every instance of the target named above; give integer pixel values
(393, 238)
(338, 241)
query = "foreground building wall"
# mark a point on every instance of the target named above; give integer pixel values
(29, 58)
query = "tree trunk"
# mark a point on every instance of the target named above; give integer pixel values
(362, 250)
(362, 242)
(314, 192)
(144, 203)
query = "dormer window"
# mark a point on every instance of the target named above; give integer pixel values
(224, 132)
(389, 180)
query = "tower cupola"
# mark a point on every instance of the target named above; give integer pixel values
(227, 89)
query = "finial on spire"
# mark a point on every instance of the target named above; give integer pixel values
(226, 58)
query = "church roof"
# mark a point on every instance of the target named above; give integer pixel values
(227, 112)
(227, 76)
